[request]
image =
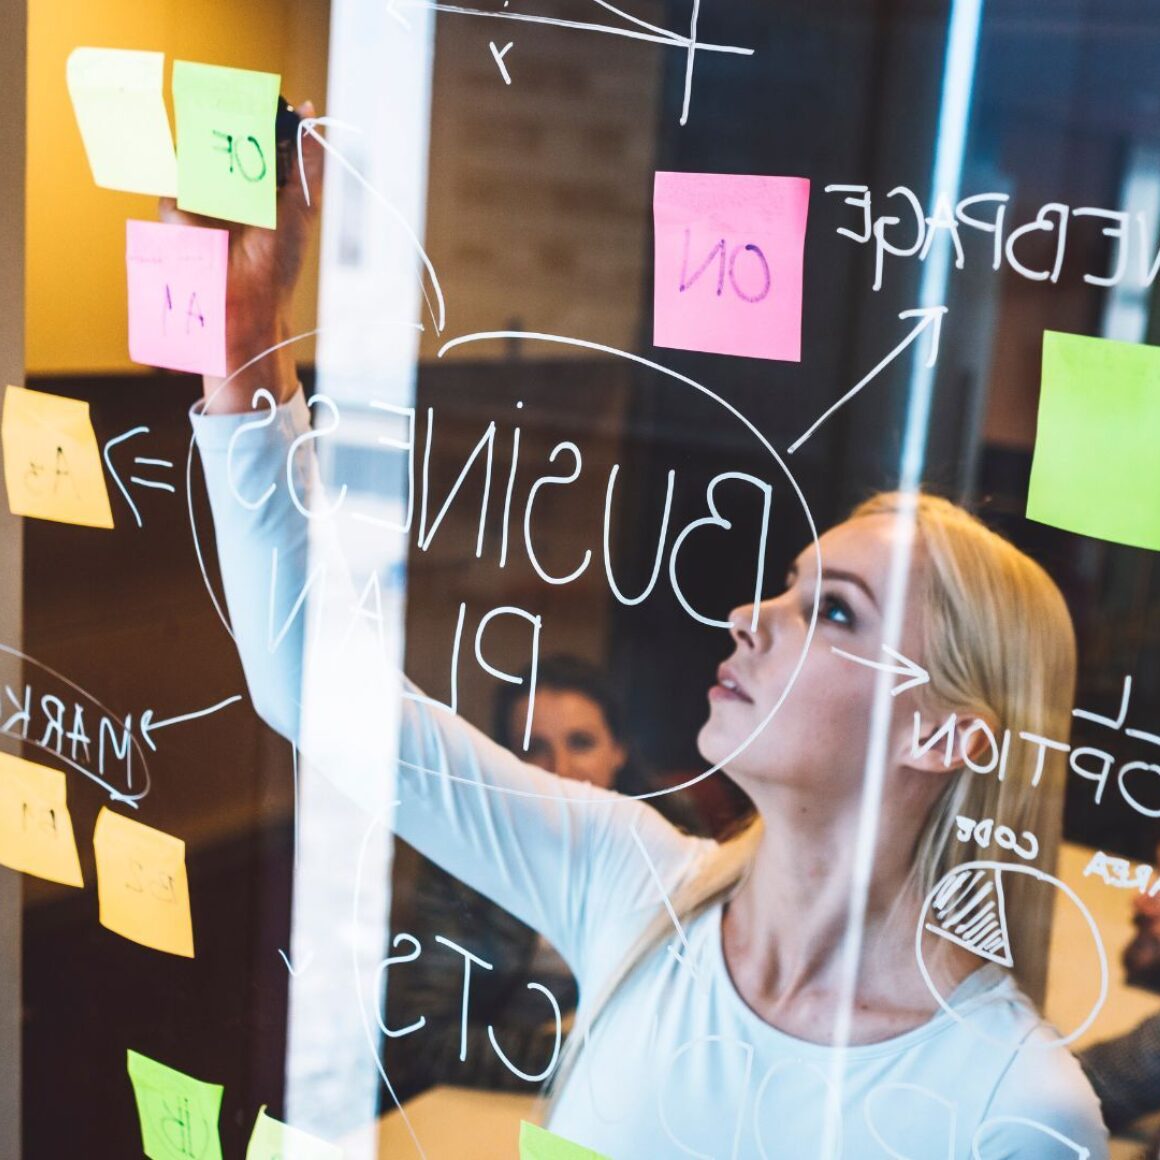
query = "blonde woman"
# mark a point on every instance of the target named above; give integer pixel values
(716, 1040)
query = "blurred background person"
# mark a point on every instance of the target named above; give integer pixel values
(1125, 1071)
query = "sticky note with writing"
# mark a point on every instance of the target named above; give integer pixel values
(226, 164)
(540, 1144)
(120, 110)
(142, 886)
(178, 1114)
(36, 832)
(273, 1140)
(177, 296)
(52, 464)
(1096, 470)
(729, 250)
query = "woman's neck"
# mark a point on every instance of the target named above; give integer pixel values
(784, 931)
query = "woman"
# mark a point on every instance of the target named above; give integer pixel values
(579, 732)
(577, 729)
(715, 1038)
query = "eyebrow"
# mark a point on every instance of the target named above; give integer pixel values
(840, 574)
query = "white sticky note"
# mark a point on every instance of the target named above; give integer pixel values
(117, 95)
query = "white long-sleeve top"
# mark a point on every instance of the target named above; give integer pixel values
(677, 1064)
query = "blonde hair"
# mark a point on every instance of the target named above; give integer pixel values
(999, 645)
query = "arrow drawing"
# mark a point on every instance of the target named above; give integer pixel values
(685, 958)
(309, 126)
(303, 963)
(928, 316)
(148, 725)
(905, 668)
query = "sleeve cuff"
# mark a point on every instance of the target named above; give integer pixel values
(214, 432)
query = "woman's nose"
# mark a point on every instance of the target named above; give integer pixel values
(749, 627)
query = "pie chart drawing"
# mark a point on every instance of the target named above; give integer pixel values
(967, 908)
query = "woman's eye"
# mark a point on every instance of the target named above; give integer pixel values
(836, 611)
(581, 742)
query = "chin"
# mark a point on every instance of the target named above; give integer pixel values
(710, 745)
(716, 748)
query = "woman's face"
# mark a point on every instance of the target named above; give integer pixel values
(570, 737)
(818, 738)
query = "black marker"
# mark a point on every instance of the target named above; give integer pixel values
(286, 139)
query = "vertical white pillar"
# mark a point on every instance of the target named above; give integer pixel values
(373, 297)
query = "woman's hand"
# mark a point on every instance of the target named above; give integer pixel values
(264, 266)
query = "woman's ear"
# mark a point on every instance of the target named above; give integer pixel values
(944, 742)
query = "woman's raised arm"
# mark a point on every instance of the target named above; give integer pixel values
(565, 858)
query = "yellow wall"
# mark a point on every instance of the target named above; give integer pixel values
(75, 318)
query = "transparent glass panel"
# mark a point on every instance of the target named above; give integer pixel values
(654, 636)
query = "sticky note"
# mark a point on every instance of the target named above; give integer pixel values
(1096, 467)
(142, 888)
(120, 110)
(52, 464)
(178, 1114)
(273, 1140)
(226, 164)
(177, 296)
(36, 831)
(540, 1144)
(729, 251)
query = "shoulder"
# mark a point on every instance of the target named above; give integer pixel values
(643, 853)
(1042, 1103)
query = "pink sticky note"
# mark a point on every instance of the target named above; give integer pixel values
(177, 296)
(729, 250)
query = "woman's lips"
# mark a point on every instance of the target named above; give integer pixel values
(728, 688)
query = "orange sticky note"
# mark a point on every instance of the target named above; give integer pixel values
(52, 464)
(36, 832)
(142, 886)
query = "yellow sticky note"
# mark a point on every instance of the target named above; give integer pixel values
(273, 1140)
(142, 886)
(36, 832)
(117, 97)
(52, 464)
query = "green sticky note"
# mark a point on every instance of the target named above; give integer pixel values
(179, 1114)
(540, 1144)
(226, 165)
(273, 1140)
(1096, 468)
